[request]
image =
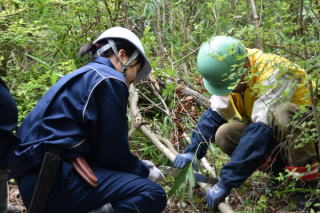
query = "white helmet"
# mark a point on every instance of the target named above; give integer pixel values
(123, 33)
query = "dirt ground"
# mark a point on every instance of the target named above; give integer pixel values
(15, 202)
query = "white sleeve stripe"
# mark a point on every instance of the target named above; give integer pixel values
(85, 106)
(103, 78)
(95, 71)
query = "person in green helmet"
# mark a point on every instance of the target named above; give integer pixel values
(262, 91)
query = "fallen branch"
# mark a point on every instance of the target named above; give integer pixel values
(207, 166)
(135, 125)
(133, 100)
(168, 144)
(197, 97)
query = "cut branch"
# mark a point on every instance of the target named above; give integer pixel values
(133, 100)
(207, 166)
(168, 144)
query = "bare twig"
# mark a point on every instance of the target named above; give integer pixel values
(147, 108)
(161, 99)
(186, 56)
(287, 50)
(261, 11)
(154, 83)
(239, 197)
(205, 163)
(156, 105)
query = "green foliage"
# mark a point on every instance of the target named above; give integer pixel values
(170, 88)
(145, 150)
(184, 180)
(39, 40)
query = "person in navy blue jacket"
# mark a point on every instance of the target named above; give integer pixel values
(8, 122)
(85, 116)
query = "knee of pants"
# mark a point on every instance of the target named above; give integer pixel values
(151, 198)
(221, 135)
(228, 136)
(156, 198)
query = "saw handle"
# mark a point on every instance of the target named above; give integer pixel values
(84, 170)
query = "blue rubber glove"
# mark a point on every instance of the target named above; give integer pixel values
(182, 160)
(217, 194)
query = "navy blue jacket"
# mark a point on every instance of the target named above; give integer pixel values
(8, 121)
(206, 129)
(83, 114)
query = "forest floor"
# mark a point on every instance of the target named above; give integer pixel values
(256, 195)
(15, 202)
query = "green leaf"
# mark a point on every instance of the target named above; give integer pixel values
(212, 148)
(39, 60)
(53, 78)
(191, 181)
(180, 180)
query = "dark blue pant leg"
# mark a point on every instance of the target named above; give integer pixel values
(126, 192)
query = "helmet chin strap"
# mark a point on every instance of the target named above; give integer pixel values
(102, 49)
(111, 44)
(124, 65)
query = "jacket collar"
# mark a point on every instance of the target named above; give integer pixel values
(104, 60)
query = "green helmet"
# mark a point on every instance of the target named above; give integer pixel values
(220, 62)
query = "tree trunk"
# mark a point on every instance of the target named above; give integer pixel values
(257, 23)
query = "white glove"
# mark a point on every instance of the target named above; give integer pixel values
(148, 163)
(154, 173)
